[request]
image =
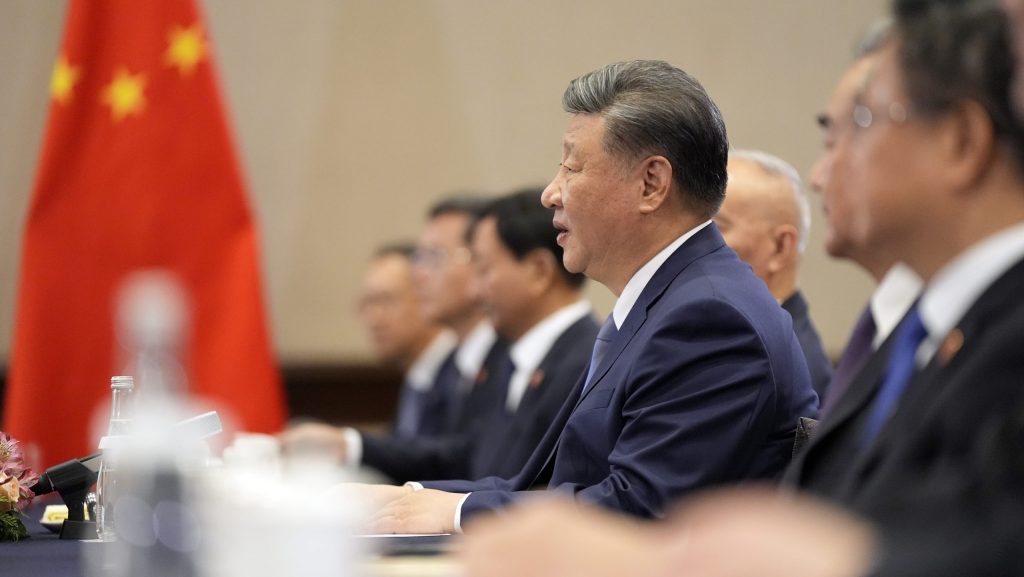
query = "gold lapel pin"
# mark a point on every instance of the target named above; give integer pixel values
(951, 346)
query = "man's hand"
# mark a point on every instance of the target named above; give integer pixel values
(315, 438)
(556, 538)
(426, 511)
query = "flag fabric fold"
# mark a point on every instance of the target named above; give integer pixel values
(137, 171)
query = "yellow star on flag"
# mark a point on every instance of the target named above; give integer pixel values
(124, 94)
(63, 80)
(186, 47)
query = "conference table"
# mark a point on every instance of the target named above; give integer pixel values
(43, 554)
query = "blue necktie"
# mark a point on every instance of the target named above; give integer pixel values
(604, 340)
(858, 349)
(902, 366)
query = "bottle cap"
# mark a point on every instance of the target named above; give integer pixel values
(122, 382)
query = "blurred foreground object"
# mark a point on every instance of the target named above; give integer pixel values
(263, 516)
(736, 533)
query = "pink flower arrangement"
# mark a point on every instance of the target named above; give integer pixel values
(15, 476)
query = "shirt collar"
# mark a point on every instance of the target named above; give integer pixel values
(531, 348)
(892, 299)
(473, 350)
(636, 285)
(960, 283)
(422, 374)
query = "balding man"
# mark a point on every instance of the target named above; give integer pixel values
(766, 219)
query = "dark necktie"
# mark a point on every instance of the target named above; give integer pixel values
(410, 410)
(505, 371)
(858, 349)
(604, 340)
(902, 366)
(442, 400)
(427, 412)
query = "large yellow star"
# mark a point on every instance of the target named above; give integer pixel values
(124, 94)
(63, 80)
(185, 48)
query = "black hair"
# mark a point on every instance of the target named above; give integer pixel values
(955, 50)
(524, 225)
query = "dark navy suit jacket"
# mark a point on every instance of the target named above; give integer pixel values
(445, 452)
(489, 440)
(702, 385)
(818, 362)
(506, 440)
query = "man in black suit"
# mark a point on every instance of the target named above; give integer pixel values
(444, 393)
(939, 164)
(766, 219)
(535, 305)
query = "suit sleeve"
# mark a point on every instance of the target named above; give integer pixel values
(417, 459)
(697, 408)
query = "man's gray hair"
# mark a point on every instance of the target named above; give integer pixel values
(651, 107)
(774, 165)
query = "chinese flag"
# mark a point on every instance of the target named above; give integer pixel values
(137, 171)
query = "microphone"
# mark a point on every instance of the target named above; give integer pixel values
(69, 476)
(72, 479)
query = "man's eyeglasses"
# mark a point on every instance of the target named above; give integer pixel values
(864, 118)
(438, 257)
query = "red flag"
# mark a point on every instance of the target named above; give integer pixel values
(137, 171)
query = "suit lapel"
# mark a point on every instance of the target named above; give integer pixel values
(552, 438)
(926, 390)
(706, 240)
(845, 415)
(860, 393)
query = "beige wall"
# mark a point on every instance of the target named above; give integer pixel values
(353, 116)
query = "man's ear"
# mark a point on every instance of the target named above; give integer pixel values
(785, 247)
(968, 141)
(543, 269)
(656, 178)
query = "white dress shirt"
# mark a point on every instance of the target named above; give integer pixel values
(423, 372)
(891, 300)
(420, 377)
(472, 353)
(961, 282)
(638, 283)
(532, 347)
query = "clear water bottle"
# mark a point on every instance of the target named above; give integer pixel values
(121, 388)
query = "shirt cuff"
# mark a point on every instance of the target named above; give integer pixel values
(458, 513)
(457, 522)
(353, 447)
